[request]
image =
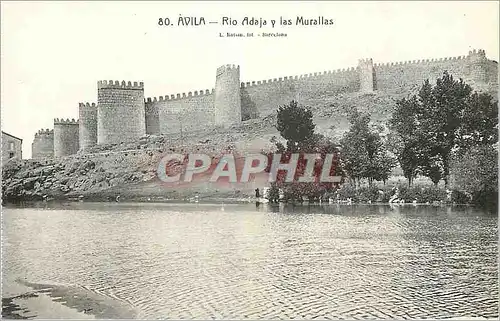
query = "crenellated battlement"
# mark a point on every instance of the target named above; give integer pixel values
(125, 114)
(43, 144)
(61, 121)
(419, 61)
(227, 98)
(88, 105)
(309, 76)
(87, 129)
(366, 81)
(115, 84)
(477, 56)
(226, 68)
(477, 52)
(120, 112)
(44, 132)
(190, 94)
(367, 61)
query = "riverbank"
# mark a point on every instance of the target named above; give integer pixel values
(210, 202)
(124, 175)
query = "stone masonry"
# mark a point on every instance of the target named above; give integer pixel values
(122, 114)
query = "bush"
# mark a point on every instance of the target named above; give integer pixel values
(431, 194)
(387, 194)
(347, 191)
(408, 193)
(458, 197)
(273, 194)
(422, 194)
(486, 198)
(366, 194)
(475, 173)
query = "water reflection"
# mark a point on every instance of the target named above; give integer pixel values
(266, 261)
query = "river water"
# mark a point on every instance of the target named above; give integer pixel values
(201, 261)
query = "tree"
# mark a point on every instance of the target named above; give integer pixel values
(405, 137)
(439, 121)
(475, 173)
(363, 152)
(295, 124)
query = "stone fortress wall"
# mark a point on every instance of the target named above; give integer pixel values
(66, 140)
(87, 125)
(120, 111)
(474, 67)
(43, 144)
(122, 114)
(260, 98)
(175, 113)
(227, 100)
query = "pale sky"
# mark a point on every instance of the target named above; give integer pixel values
(53, 53)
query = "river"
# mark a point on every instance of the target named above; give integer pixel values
(199, 261)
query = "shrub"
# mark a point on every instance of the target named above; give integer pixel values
(273, 194)
(459, 197)
(422, 194)
(431, 194)
(366, 194)
(347, 191)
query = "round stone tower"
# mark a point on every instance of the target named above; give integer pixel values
(227, 102)
(477, 65)
(66, 140)
(120, 112)
(87, 125)
(366, 75)
(43, 144)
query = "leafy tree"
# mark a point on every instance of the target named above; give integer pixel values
(363, 152)
(475, 172)
(296, 125)
(439, 121)
(479, 122)
(405, 137)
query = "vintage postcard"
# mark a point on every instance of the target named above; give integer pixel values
(249, 160)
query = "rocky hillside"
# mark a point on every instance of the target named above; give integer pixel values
(127, 169)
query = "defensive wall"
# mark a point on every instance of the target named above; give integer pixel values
(227, 100)
(43, 144)
(260, 98)
(120, 111)
(66, 141)
(87, 125)
(123, 114)
(173, 113)
(473, 68)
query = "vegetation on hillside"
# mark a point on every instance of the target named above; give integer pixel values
(296, 126)
(444, 132)
(364, 155)
(441, 121)
(474, 173)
